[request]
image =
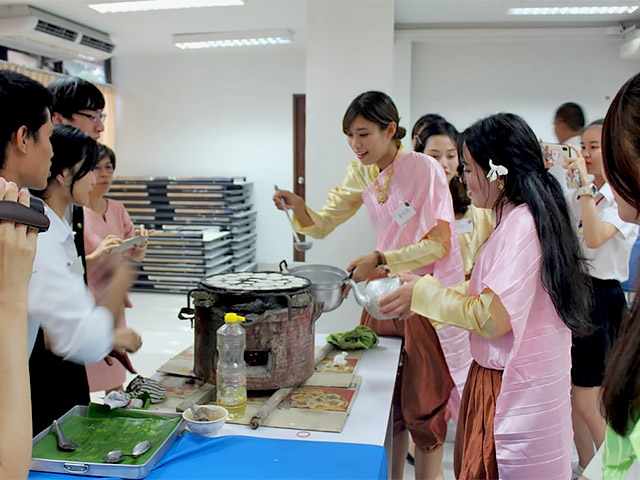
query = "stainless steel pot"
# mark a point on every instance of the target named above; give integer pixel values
(327, 282)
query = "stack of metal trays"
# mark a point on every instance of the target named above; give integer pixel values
(178, 258)
(204, 226)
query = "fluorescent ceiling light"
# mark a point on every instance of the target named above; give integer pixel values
(191, 41)
(145, 5)
(611, 10)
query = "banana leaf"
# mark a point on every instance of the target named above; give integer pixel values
(104, 430)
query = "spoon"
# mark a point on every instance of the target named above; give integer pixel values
(63, 443)
(198, 414)
(297, 243)
(116, 455)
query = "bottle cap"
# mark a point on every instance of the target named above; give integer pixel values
(233, 318)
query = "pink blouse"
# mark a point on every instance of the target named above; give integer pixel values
(97, 227)
(418, 180)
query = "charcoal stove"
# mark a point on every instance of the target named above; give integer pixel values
(280, 314)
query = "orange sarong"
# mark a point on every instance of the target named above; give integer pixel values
(474, 454)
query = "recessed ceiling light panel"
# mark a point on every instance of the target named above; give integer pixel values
(193, 41)
(146, 5)
(607, 10)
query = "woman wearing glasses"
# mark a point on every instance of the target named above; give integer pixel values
(107, 224)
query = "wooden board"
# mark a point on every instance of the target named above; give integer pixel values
(323, 409)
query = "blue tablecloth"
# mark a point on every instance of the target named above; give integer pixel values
(237, 457)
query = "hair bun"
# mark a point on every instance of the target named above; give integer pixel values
(400, 133)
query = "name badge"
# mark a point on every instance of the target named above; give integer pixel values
(403, 213)
(464, 225)
(76, 266)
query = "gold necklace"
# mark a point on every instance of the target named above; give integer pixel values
(383, 194)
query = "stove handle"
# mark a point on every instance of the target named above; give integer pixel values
(188, 313)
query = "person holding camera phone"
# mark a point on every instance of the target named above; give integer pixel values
(606, 242)
(106, 225)
(25, 156)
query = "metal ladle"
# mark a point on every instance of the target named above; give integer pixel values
(301, 246)
(116, 455)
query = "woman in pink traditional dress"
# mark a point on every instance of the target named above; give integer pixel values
(409, 205)
(107, 224)
(528, 291)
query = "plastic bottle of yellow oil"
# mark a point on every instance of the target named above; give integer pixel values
(231, 370)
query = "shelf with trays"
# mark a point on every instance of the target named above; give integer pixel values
(204, 226)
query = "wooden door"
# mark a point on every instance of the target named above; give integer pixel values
(299, 179)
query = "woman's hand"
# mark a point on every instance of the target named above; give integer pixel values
(109, 243)
(126, 339)
(363, 266)
(398, 303)
(17, 248)
(578, 163)
(145, 234)
(137, 253)
(291, 200)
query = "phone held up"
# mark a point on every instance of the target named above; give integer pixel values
(559, 154)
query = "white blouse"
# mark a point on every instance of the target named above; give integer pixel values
(60, 302)
(611, 260)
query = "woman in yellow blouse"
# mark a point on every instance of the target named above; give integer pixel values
(439, 139)
(410, 209)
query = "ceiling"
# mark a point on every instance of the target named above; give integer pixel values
(150, 32)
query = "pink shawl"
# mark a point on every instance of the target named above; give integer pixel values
(420, 180)
(532, 428)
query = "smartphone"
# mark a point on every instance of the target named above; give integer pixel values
(555, 154)
(128, 243)
(559, 154)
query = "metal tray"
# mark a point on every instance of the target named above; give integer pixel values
(103, 469)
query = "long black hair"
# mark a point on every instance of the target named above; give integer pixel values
(71, 147)
(507, 140)
(461, 200)
(621, 154)
(377, 107)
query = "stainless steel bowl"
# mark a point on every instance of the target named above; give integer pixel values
(327, 282)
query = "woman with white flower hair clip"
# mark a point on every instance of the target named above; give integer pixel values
(527, 293)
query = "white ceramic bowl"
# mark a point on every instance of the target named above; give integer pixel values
(210, 428)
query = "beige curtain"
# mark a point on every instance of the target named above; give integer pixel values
(108, 136)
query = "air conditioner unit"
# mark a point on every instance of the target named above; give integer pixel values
(28, 29)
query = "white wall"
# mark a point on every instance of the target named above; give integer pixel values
(349, 51)
(466, 78)
(214, 114)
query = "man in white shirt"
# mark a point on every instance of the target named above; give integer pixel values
(568, 124)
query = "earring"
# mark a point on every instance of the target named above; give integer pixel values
(501, 186)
